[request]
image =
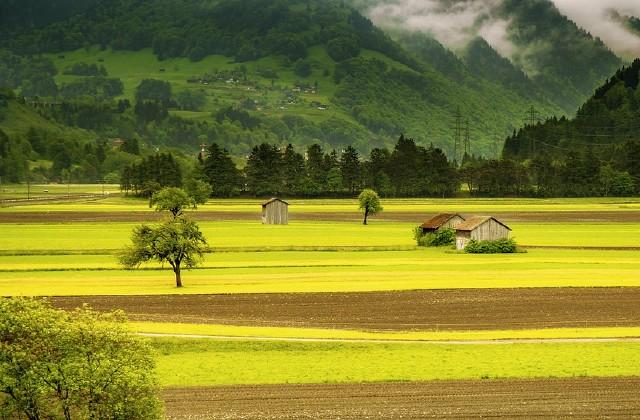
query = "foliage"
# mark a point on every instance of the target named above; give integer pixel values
(162, 170)
(81, 364)
(369, 203)
(84, 69)
(498, 246)
(178, 242)
(198, 190)
(171, 199)
(221, 172)
(154, 90)
(191, 100)
(92, 86)
(441, 237)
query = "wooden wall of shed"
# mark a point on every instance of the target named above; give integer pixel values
(489, 231)
(453, 222)
(275, 213)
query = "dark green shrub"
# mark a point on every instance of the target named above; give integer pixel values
(498, 246)
(442, 237)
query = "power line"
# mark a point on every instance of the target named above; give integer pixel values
(457, 134)
(467, 138)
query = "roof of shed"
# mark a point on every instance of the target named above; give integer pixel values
(475, 221)
(272, 200)
(439, 220)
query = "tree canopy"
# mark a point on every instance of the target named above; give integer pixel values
(73, 365)
(178, 242)
(369, 203)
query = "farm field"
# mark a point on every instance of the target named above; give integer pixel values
(511, 398)
(347, 271)
(414, 310)
(252, 236)
(217, 362)
(335, 306)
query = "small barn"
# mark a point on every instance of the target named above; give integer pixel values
(480, 228)
(275, 212)
(444, 220)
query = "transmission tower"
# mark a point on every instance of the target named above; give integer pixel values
(457, 134)
(532, 118)
(467, 138)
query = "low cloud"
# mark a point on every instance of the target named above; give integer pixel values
(453, 23)
(599, 18)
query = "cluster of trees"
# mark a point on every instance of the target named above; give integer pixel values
(596, 153)
(407, 170)
(244, 29)
(151, 174)
(577, 174)
(84, 69)
(73, 365)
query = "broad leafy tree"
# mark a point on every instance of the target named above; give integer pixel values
(178, 242)
(56, 364)
(369, 203)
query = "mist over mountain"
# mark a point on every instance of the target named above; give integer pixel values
(564, 59)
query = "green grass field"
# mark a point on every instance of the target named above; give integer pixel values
(426, 205)
(346, 271)
(53, 190)
(79, 259)
(211, 362)
(341, 334)
(252, 235)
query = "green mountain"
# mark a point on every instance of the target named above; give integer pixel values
(597, 151)
(284, 51)
(180, 73)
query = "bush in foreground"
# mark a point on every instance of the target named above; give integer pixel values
(72, 365)
(498, 246)
(442, 237)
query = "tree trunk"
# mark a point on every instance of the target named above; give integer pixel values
(178, 278)
(366, 213)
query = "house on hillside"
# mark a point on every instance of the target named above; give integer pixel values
(444, 220)
(275, 212)
(480, 228)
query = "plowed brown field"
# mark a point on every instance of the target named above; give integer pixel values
(123, 216)
(553, 398)
(455, 309)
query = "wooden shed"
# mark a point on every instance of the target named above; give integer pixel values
(444, 220)
(275, 212)
(480, 228)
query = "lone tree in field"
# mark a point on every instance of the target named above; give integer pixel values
(172, 199)
(177, 241)
(369, 203)
(56, 364)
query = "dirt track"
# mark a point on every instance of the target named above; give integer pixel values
(583, 397)
(455, 309)
(122, 216)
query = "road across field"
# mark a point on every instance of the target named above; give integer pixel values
(446, 310)
(626, 216)
(580, 397)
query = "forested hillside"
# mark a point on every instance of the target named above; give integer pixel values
(243, 72)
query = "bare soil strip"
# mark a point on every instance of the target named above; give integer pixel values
(124, 216)
(551, 398)
(423, 310)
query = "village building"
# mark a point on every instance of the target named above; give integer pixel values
(480, 228)
(275, 212)
(444, 220)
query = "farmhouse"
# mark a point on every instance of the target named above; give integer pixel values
(480, 228)
(275, 212)
(444, 220)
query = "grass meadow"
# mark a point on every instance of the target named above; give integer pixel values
(79, 258)
(346, 271)
(212, 362)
